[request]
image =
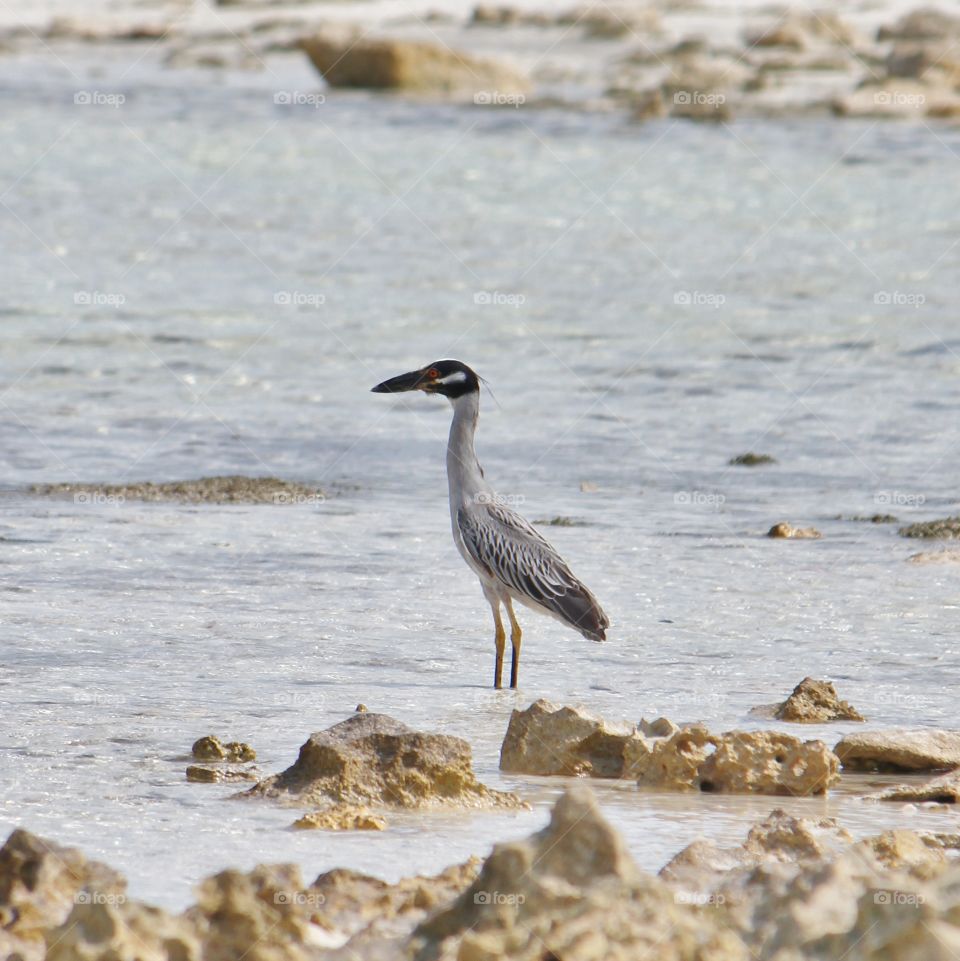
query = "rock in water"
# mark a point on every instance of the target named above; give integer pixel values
(373, 759)
(939, 790)
(946, 528)
(788, 531)
(342, 817)
(900, 750)
(547, 739)
(571, 891)
(409, 65)
(737, 762)
(814, 701)
(40, 883)
(211, 748)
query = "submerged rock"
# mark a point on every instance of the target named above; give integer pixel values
(233, 489)
(373, 759)
(219, 774)
(944, 789)
(813, 702)
(413, 66)
(900, 750)
(947, 528)
(785, 530)
(751, 460)
(40, 884)
(211, 748)
(547, 739)
(342, 817)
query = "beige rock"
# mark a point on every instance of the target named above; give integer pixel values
(768, 762)
(944, 789)
(373, 759)
(40, 883)
(342, 817)
(739, 762)
(799, 31)
(413, 66)
(211, 748)
(935, 557)
(815, 701)
(784, 530)
(926, 23)
(946, 527)
(120, 930)
(218, 774)
(571, 891)
(658, 727)
(899, 750)
(547, 739)
(365, 909)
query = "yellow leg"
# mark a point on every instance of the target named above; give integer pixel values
(500, 639)
(515, 637)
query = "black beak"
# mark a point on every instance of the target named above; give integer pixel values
(415, 380)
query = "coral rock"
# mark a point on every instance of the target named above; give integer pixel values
(900, 750)
(815, 701)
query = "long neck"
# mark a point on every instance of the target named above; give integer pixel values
(463, 469)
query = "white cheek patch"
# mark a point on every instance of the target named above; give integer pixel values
(457, 377)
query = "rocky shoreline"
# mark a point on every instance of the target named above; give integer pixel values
(698, 61)
(795, 889)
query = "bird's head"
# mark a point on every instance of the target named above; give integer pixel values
(448, 377)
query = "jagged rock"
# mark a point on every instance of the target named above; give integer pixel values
(740, 762)
(547, 739)
(768, 762)
(124, 931)
(899, 750)
(570, 891)
(342, 817)
(373, 759)
(784, 530)
(935, 557)
(659, 727)
(947, 527)
(779, 837)
(409, 65)
(813, 702)
(944, 789)
(40, 884)
(211, 748)
(924, 24)
(365, 909)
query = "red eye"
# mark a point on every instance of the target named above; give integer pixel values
(433, 373)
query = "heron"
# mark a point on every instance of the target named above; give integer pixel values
(513, 561)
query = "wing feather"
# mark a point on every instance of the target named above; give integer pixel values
(505, 545)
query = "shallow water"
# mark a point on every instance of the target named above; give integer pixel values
(201, 281)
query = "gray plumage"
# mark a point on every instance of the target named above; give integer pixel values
(513, 552)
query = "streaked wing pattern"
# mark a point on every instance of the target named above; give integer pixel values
(515, 553)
